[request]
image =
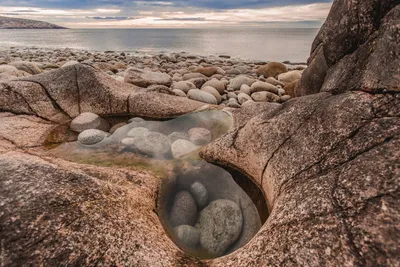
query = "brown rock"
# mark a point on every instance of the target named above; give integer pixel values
(272, 69)
(290, 88)
(208, 71)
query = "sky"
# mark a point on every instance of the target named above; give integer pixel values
(170, 14)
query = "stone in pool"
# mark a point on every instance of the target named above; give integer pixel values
(200, 136)
(91, 137)
(200, 194)
(182, 148)
(188, 235)
(184, 210)
(220, 224)
(152, 144)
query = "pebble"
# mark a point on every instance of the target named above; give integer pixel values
(91, 137)
(87, 120)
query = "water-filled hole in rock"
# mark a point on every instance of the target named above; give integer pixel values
(203, 210)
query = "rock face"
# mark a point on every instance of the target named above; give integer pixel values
(17, 23)
(354, 51)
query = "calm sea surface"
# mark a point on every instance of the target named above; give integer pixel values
(245, 43)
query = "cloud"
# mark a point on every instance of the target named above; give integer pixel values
(182, 19)
(110, 18)
(173, 13)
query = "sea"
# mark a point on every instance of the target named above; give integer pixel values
(265, 44)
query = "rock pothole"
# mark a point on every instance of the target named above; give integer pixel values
(206, 210)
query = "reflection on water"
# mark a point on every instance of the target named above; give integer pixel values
(247, 43)
(200, 205)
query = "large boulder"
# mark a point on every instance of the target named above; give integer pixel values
(145, 78)
(356, 49)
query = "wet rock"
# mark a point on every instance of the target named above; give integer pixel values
(145, 78)
(199, 136)
(182, 148)
(153, 144)
(91, 137)
(200, 194)
(137, 132)
(272, 69)
(87, 120)
(178, 135)
(188, 235)
(116, 127)
(220, 225)
(201, 96)
(184, 210)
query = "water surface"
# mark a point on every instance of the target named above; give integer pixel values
(247, 43)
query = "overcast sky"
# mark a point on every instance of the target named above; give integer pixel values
(179, 13)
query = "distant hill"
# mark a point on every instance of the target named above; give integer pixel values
(16, 23)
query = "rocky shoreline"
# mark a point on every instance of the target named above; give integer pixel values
(213, 80)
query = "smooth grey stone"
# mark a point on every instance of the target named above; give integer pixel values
(188, 235)
(200, 194)
(220, 225)
(184, 210)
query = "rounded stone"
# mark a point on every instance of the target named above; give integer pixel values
(182, 148)
(184, 210)
(290, 76)
(265, 97)
(91, 137)
(272, 69)
(201, 96)
(179, 93)
(263, 87)
(200, 194)
(136, 132)
(184, 86)
(215, 83)
(220, 225)
(242, 98)
(152, 144)
(237, 82)
(178, 135)
(212, 91)
(187, 235)
(87, 120)
(245, 89)
(199, 136)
